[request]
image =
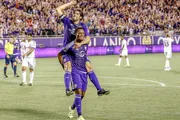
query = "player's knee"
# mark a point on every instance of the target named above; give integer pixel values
(14, 63)
(78, 91)
(83, 94)
(88, 67)
(23, 68)
(31, 70)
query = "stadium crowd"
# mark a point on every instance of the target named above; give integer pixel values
(111, 17)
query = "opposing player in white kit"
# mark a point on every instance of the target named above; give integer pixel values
(167, 51)
(28, 59)
(123, 52)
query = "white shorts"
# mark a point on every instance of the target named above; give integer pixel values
(124, 53)
(29, 62)
(168, 53)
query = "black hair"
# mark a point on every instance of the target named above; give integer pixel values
(80, 12)
(78, 28)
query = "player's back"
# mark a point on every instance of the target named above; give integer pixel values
(124, 44)
(167, 43)
(79, 58)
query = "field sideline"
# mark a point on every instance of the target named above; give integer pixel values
(143, 91)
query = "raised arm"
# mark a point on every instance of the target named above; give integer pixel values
(61, 8)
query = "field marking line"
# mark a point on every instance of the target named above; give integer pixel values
(107, 77)
(137, 79)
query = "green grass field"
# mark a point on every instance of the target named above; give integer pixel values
(143, 91)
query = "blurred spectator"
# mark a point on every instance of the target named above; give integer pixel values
(110, 17)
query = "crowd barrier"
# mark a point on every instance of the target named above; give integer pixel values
(49, 47)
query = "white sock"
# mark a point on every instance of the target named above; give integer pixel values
(167, 64)
(24, 76)
(31, 77)
(127, 61)
(119, 61)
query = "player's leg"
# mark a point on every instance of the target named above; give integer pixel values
(31, 65)
(24, 67)
(168, 55)
(7, 60)
(119, 60)
(14, 66)
(94, 80)
(60, 59)
(67, 74)
(77, 87)
(126, 57)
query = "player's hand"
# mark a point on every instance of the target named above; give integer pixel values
(24, 55)
(75, 46)
(78, 44)
(73, 2)
(8, 56)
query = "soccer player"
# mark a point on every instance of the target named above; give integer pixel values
(123, 52)
(28, 54)
(69, 28)
(79, 72)
(167, 41)
(9, 48)
(16, 53)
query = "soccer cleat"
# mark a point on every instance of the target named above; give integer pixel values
(69, 92)
(5, 76)
(22, 84)
(167, 69)
(71, 112)
(30, 84)
(117, 64)
(127, 65)
(80, 118)
(103, 92)
(16, 75)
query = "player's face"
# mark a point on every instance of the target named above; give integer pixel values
(76, 16)
(11, 40)
(29, 38)
(80, 35)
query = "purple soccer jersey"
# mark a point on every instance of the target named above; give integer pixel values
(79, 72)
(78, 58)
(69, 29)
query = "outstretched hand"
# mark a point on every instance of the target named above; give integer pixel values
(73, 2)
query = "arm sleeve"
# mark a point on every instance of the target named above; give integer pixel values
(64, 19)
(33, 44)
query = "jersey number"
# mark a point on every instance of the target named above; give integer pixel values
(166, 44)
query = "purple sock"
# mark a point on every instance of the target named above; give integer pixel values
(78, 104)
(74, 106)
(67, 80)
(94, 80)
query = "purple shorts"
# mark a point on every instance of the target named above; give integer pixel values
(66, 58)
(79, 80)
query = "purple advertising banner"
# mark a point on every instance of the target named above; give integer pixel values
(101, 41)
(109, 50)
(49, 47)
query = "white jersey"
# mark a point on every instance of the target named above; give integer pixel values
(167, 44)
(28, 45)
(23, 47)
(124, 45)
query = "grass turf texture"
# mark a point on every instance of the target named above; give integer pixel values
(136, 92)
